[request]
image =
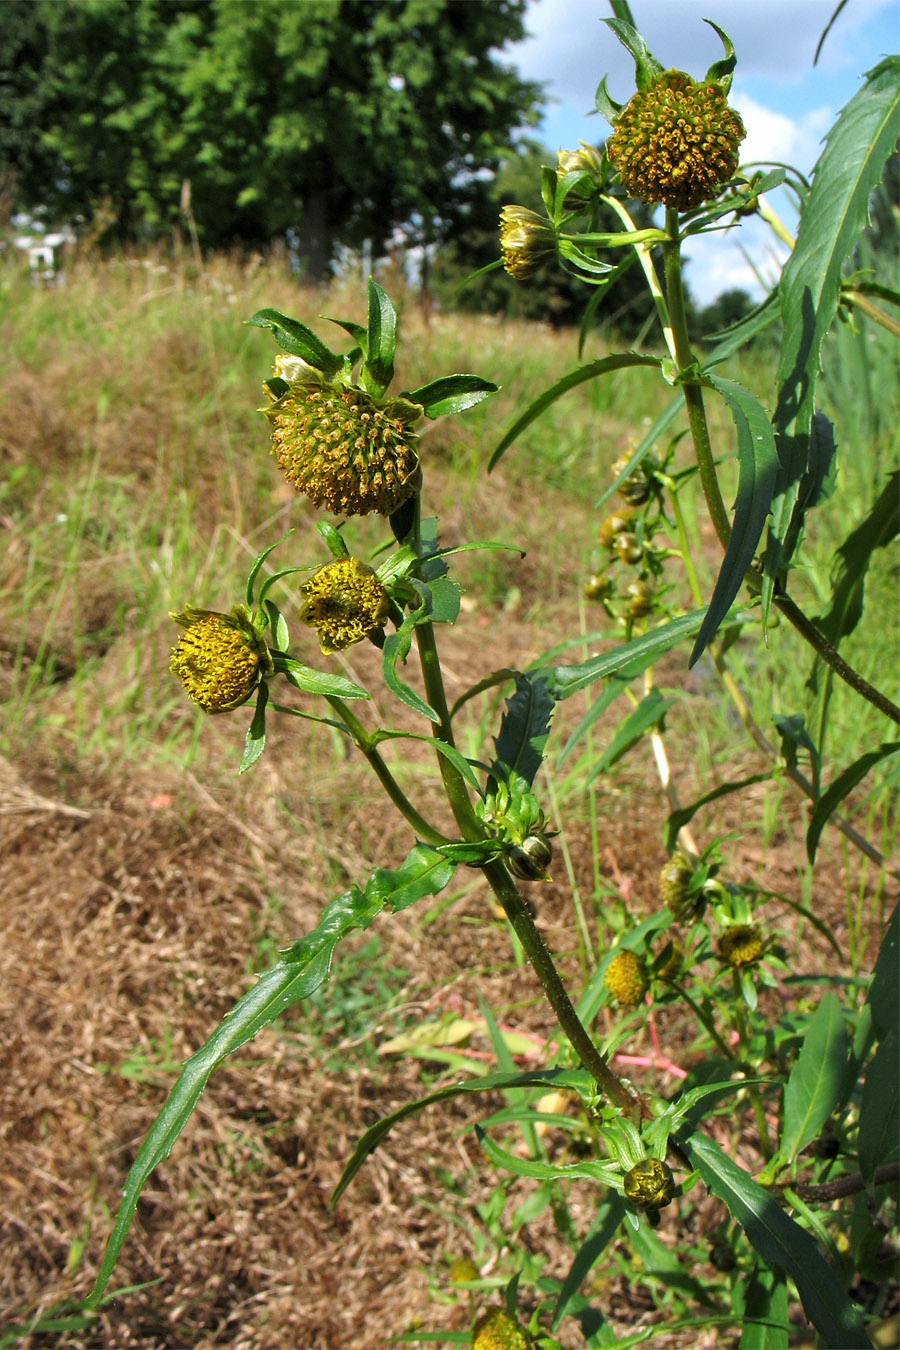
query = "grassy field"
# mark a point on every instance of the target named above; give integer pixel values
(145, 882)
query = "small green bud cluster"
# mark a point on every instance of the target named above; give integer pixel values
(511, 813)
(625, 535)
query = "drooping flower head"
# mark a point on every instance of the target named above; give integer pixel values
(741, 944)
(676, 140)
(219, 658)
(345, 602)
(527, 241)
(341, 447)
(650, 1184)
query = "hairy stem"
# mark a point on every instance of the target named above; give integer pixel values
(829, 654)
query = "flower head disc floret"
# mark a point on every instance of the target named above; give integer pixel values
(497, 1330)
(676, 141)
(344, 601)
(219, 658)
(741, 944)
(343, 449)
(626, 978)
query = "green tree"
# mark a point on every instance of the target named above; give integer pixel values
(339, 119)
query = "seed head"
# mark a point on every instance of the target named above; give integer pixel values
(650, 1184)
(676, 141)
(496, 1330)
(344, 601)
(741, 944)
(527, 241)
(219, 658)
(626, 978)
(342, 448)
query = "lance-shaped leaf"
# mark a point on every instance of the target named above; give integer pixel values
(834, 215)
(577, 1079)
(677, 820)
(381, 340)
(591, 371)
(780, 1242)
(601, 1232)
(816, 1082)
(524, 728)
(844, 784)
(758, 461)
(313, 681)
(634, 726)
(294, 337)
(879, 1113)
(301, 970)
(256, 732)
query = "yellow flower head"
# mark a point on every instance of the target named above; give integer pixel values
(343, 449)
(219, 658)
(741, 944)
(527, 241)
(650, 1184)
(676, 141)
(344, 601)
(496, 1330)
(626, 978)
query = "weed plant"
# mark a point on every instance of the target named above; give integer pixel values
(787, 1111)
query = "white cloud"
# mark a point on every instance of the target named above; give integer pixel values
(772, 135)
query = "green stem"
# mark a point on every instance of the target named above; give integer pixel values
(363, 741)
(693, 392)
(507, 892)
(817, 639)
(874, 312)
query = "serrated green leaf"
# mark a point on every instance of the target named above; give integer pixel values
(396, 649)
(879, 1112)
(646, 65)
(381, 339)
(879, 528)
(424, 871)
(591, 371)
(882, 1000)
(677, 820)
(524, 729)
(844, 784)
(764, 1302)
(449, 752)
(451, 394)
(816, 483)
(834, 214)
(563, 681)
(817, 1079)
(780, 1242)
(443, 598)
(256, 732)
(294, 337)
(601, 1232)
(317, 681)
(576, 1079)
(758, 464)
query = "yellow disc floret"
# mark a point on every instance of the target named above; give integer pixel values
(626, 978)
(741, 944)
(344, 601)
(497, 1330)
(218, 659)
(343, 449)
(676, 141)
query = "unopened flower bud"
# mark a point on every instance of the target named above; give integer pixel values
(598, 588)
(635, 488)
(676, 141)
(675, 889)
(626, 978)
(219, 658)
(741, 944)
(628, 548)
(650, 1184)
(344, 601)
(529, 860)
(613, 525)
(497, 1330)
(641, 598)
(527, 241)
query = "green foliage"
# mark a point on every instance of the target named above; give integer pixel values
(335, 119)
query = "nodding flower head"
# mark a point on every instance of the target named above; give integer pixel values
(675, 888)
(219, 658)
(497, 1330)
(676, 141)
(650, 1184)
(343, 449)
(345, 602)
(527, 241)
(626, 978)
(741, 944)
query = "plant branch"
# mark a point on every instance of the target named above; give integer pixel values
(829, 654)
(849, 1185)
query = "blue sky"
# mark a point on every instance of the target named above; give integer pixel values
(787, 103)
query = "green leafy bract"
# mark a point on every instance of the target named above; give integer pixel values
(299, 972)
(294, 337)
(451, 394)
(524, 729)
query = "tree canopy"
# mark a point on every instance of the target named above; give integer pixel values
(338, 119)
